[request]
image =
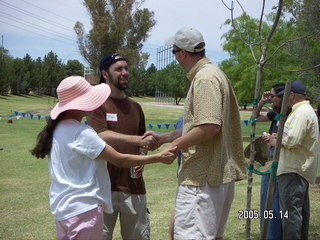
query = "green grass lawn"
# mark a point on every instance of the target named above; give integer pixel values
(12, 103)
(24, 180)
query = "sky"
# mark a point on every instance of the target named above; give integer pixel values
(37, 27)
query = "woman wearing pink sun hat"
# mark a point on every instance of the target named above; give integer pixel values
(80, 186)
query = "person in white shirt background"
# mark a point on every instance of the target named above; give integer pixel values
(298, 163)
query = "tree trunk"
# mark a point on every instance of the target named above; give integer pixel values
(252, 148)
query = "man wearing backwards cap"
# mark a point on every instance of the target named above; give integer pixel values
(211, 143)
(298, 163)
(120, 122)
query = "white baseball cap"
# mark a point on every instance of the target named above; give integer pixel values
(187, 39)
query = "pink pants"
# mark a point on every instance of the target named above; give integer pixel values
(88, 225)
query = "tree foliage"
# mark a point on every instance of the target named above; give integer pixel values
(25, 75)
(241, 66)
(141, 81)
(172, 81)
(117, 26)
(5, 71)
(291, 47)
(74, 67)
(305, 14)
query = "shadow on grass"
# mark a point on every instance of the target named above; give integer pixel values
(7, 97)
(4, 97)
(31, 96)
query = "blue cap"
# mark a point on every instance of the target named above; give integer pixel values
(296, 87)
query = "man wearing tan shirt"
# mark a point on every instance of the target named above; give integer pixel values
(211, 143)
(298, 163)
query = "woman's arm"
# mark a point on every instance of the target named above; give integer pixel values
(166, 156)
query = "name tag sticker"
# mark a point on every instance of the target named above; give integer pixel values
(112, 117)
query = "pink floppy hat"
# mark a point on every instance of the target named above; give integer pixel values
(75, 93)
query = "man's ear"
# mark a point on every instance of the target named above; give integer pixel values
(183, 54)
(105, 75)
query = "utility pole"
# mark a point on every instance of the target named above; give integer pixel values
(2, 49)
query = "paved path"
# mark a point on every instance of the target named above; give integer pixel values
(169, 105)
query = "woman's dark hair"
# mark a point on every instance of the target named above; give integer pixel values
(278, 87)
(44, 138)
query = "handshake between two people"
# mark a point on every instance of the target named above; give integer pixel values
(151, 141)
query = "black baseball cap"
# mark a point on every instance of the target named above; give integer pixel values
(107, 61)
(110, 59)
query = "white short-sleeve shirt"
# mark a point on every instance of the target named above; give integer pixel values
(80, 182)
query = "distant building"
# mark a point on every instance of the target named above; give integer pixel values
(92, 75)
(164, 57)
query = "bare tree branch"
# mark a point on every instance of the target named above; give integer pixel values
(261, 17)
(241, 6)
(276, 21)
(316, 35)
(235, 27)
(293, 70)
(249, 44)
(226, 5)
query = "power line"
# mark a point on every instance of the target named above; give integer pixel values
(44, 31)
(8, 5)
(35, 26)
(46, 10)
(10, 24)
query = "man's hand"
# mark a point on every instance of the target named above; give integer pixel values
(149, 142)
(266, 137)
(266, 96)
(168, 155)
(138, 170)
(164, 137)
(273, 140)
